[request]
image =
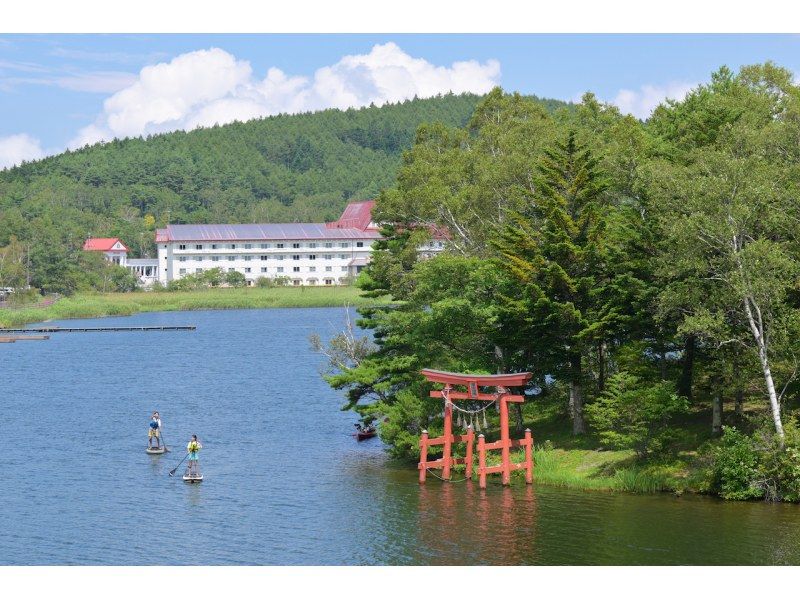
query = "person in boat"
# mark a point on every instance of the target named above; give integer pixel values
(154, 431)
(193, 448)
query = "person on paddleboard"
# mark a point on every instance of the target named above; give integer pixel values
(193, 448)
(154, 430)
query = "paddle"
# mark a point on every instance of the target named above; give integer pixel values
(164, 444)
(172, 471)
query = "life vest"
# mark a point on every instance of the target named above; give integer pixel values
(193, 447)
(154, 424)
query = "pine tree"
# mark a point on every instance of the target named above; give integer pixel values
(556, 251)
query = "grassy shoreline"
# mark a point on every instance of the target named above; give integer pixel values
(582, 463)
(605, 471)
(85, 305)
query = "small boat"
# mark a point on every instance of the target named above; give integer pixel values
(193, 479)
(152, 450)
(365, 433)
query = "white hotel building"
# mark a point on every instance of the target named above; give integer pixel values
(304, 253)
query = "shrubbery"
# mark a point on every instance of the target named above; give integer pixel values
(633, 414)
(202, 280)
(736, 466)
(758, 466)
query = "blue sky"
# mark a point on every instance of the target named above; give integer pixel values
(59, 91)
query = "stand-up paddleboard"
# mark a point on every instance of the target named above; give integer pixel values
(151, 450)
(193, 479)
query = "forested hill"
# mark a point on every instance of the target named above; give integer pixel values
(285, 168)
(253, 170)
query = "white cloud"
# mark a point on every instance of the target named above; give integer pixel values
(208, 87)
(641, 103)
(16, 148)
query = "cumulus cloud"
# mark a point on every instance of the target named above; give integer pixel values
(208, 87)
(641, 103)
(16, 148)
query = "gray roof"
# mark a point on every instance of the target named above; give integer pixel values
(263, 232)
(142, 262)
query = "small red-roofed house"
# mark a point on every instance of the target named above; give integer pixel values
(114, 249)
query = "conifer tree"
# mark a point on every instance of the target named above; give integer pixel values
(556, 251)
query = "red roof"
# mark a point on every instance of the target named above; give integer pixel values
(357, 214)
(104, 244)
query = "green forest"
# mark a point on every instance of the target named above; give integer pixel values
(645, 272)
(286, 168)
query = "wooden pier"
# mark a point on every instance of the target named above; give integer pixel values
(93, 329)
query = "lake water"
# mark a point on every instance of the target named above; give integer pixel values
(285, 483)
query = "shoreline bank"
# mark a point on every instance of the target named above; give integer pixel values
(91, 305)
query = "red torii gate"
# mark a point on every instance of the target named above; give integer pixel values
(472, 383)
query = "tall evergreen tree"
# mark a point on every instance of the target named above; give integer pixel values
(556, 251)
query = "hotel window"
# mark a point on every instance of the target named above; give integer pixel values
(247, 270)
(312, 269)
(343, 256)
(247, 258)
(439, 244)
(198, 246)
(360, 244)
(264, 258)
(263, 269)
(198, 270)
(231, 258)
(232, 245)
(198, 258)
(280, 258)
(328, 281)
(182, 271)
(328, 244)
(182, 258)
(231, 269)
(344, 244)
(279, 245)
(264, 246)
(296, 282)
(213, 246)
(344, 268)
(214, 258)
(280, 268)
(181, 246)
(313, 256)
(312, 245)
(295, 257)
(328, 268)
(328, 256)
(296, 269)
(295, 245)
(248, 246)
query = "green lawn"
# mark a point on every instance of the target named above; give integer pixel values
(125, 304)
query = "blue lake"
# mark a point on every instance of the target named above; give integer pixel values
(285, 482)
